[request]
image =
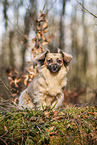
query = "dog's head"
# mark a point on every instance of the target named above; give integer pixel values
(54, 61)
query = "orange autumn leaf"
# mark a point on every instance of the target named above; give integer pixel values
(48, 40)
(45, 31)
(26, 37)
(26, 79)
(33, 40)
(16, 81)
(29, 62)
(40, 20)
(45, 43)
(28, 45)
(43, 15)
(22, 42)
(38, 28)
(40, 47)
(91, 113)
(45, 25)
(51, 36)
(5, 129)
(13, 95)
(38, 34)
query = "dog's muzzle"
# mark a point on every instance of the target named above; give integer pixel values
(54, 67)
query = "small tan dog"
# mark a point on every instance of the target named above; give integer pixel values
(47, 88)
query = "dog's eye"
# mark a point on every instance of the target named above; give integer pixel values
(50, 60)
(59, 60)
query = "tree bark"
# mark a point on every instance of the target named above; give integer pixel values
(61, 41)
(11, 56)
(30, 14)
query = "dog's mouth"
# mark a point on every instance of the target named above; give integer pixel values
(53, 68)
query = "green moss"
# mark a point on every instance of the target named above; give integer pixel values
(69, 125)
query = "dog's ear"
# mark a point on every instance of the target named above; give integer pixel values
(66, 57)
(41, 57)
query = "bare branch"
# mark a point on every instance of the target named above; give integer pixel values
(6, 86)
(86, 10)
(6, 132)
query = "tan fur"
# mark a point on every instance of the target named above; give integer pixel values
(47, 88)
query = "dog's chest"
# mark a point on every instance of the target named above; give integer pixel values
(52, 84)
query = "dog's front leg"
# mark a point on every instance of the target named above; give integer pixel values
(58, 101)
(25, 100)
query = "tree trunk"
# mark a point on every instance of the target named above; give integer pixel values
(61, 41)
(84, 49)
(30, 14)
(11, 55)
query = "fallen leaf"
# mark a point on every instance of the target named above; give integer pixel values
(5, 128)
(13, 95)
(91, 113)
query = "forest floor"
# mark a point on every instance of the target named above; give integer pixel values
(64, 126)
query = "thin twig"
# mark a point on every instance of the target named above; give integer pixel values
(5, 86)
(22, 138)
(3, 141)
(44, 7)
(6, 132)
(78, 124)
(49, 8)
(39, 129)
(86, 9)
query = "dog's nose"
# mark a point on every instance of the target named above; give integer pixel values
(54, 66)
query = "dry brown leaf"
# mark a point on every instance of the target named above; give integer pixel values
(29, 62)
(45, 25)
(33, 40)
(40, 20)
(48, 40)
(28, 45)
(26, 37)
(43, 38)
(10, 78)
(43, 15)
(38, 34)
(26, 79)
(45, 43)
(5, 129)
(13, 95)
(16, 81)
(51, 36)
(38, 28)
(91, 113)
(22, 42)
(45, 31)
(40, 47)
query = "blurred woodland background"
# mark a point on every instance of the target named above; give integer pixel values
(70, 25)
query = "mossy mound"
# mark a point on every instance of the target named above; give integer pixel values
(65, 126)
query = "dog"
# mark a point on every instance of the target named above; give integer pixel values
(47, 89)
